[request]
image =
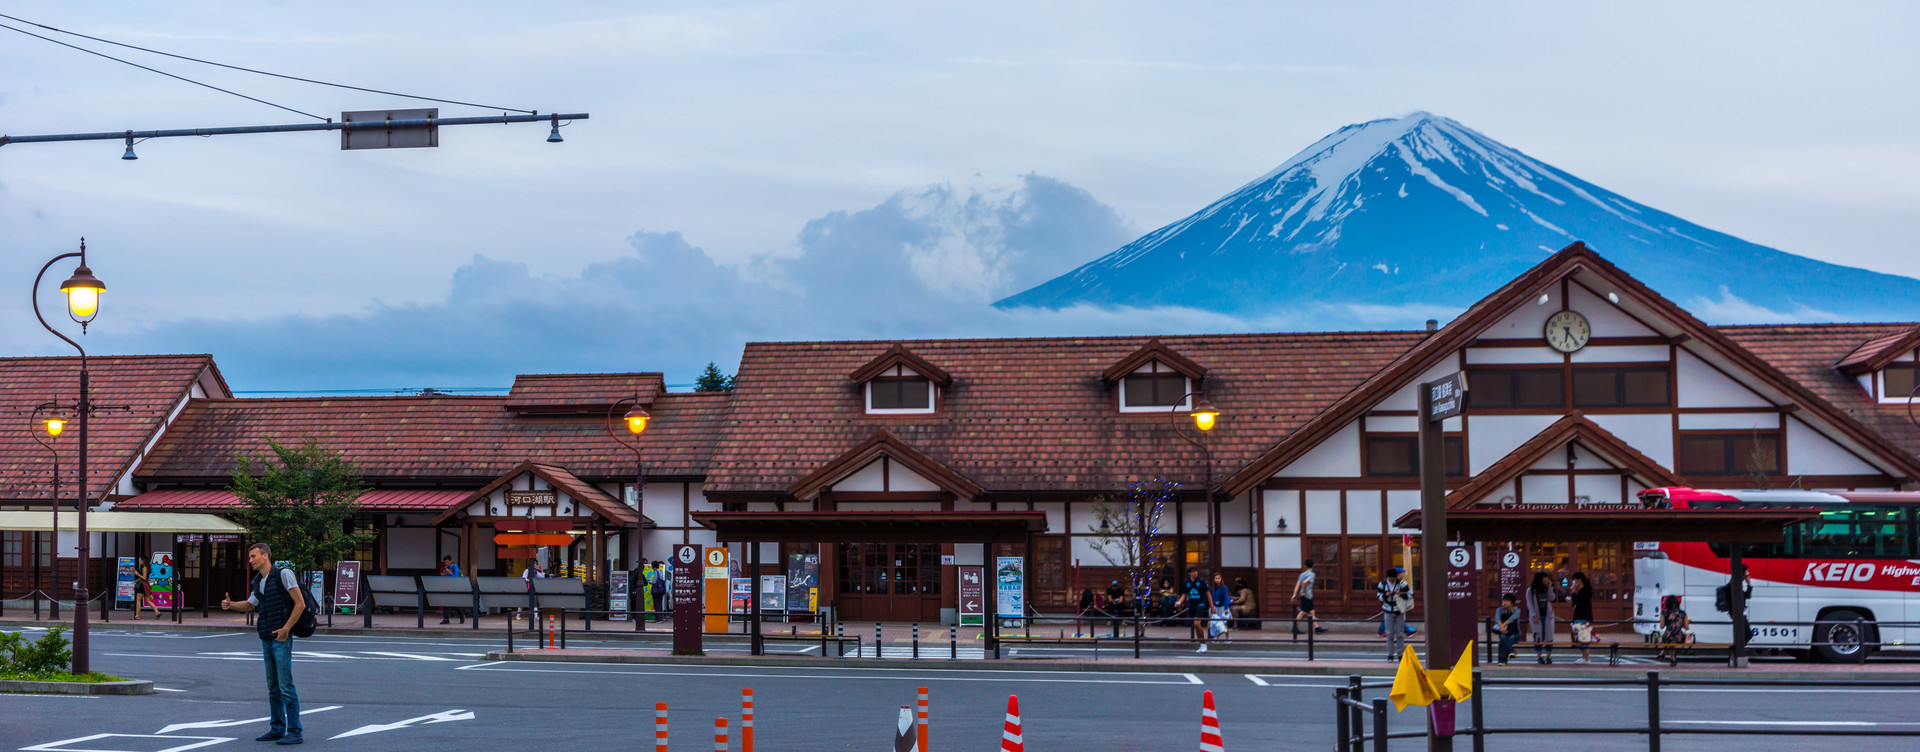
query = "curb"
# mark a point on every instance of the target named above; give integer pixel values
(130, 687)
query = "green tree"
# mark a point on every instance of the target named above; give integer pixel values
(299, 499)
(712, 380)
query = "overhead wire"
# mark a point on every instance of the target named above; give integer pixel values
(261, 72)
(161, 72)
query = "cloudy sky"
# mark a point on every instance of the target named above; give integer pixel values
(757, 171)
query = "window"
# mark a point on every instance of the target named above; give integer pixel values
(1153, 390)
(1516, 388)
(1729, 453)
(1363, 564)
(905, 395)
(1900, 379)
(1855, 532)
(1399, 456)
(1621, 387)
(16, 548)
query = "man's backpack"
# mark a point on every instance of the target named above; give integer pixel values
(1722, 599)
(309, 616)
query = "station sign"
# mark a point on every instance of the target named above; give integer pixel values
(687, 599)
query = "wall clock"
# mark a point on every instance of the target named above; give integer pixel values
(1568, 331)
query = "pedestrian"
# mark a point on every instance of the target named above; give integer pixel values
(143, 595)
(1582, 625)
(1303, 596)
(1168, 597)
(662, 589)
(1396, 596)
(271, 590)
(1112, 606)
(1193, 607)
(1506, 625)
(1219, 608)
(449, 569)
(1540, 598)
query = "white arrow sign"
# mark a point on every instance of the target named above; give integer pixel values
(441, 717)
(222, 724)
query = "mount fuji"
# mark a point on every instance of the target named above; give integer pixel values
(1423, 210)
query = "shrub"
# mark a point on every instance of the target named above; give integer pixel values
(52, 653)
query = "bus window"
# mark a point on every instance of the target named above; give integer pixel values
(1865, 532)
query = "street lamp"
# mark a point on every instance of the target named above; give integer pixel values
(47, 414)
(83, 304)
(635, 419)
(1204, 416)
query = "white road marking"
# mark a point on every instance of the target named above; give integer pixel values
(490, 667)
(440, 717)
(1801, 723)
(224, 723)
(164, 689)
(1191, 679)
(1255, 678)
(413, 656)
(60, 746)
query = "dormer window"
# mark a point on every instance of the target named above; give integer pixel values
(1155, 388)
(900, 392)
(1897, 381)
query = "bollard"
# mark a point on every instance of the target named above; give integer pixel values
(1354, 720)
(1379, 724)
(1653, 711)
(746, 720)
(953, 642)
(920, 722)
(1342, 737)
(720, 734)
(876, 639)
(550, 631)
(659, 727)
(916, 639)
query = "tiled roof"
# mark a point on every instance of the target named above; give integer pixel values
(1574, 427)
(1807, 353)
(581, 392)
(1034, 414)
(900, 356)
(151, 385)
(213, 500)
(1879, 351)
(558, 477)
(439, 437)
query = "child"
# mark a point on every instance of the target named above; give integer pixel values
(1506, 624)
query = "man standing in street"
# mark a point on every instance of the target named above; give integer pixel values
(1396, 596)
(271, 591)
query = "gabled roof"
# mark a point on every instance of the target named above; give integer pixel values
(1153, 350)
(883, 443)
(558, 477)
(1569, 261)
(589, 393)
(1030, 415)
(899, 355)
(150, 386)
(450, 439)
(1572, 428)
(1806, 353)
(1876, 353)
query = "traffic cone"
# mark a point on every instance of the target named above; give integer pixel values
(1210, 726)
(1010, 739)
(903, 740)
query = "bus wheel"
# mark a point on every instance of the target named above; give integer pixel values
(1842, 638)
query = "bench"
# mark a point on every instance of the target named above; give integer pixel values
(451, 592)
(391, 591)
(501, 593)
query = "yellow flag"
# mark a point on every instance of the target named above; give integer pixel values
(1410, 683)
(1459, 681)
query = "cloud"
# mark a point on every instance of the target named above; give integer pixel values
(1732, 309)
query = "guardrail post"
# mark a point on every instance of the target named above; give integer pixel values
(1342, 736)
(1479, 717)
(916, 640)
(563, 629)
(953, 641)
(1653, 711)
(366, 605)
(419, 611)
(1379, 724)
(876, 640)
(1354, 721)
(1312, 627)
(1136, 632)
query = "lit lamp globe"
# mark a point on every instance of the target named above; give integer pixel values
(1205, 416)
(83, 294)
(55, 426)
(636, 419)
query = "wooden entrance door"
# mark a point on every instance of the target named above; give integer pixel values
(889, 581)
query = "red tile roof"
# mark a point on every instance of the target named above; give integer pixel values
(438, 438)
(591, 393)
(556, 476)
(900, 356)
(1807, 353)
(1575, 427)
(1152, 351)
(1876, 353)
(151, 385)
(1034, 414)
(213, 500)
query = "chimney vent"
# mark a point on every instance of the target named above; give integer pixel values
(1433, 325)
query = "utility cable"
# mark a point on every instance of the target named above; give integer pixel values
(163, 73)
(264, 73)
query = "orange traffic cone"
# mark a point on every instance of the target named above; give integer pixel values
(1010, 739)
(1210, 726)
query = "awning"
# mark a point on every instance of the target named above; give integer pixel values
(213, 499)
(120, 522)
(873, 527)
(1629, 523)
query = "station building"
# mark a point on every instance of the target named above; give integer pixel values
(1584, 387)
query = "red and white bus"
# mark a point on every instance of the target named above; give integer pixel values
(1857, 564)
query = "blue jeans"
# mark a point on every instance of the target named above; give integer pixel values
(282, 701)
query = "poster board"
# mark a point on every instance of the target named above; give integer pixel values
(1010, 584)
(123, 578)
(773, 593)
(160, 580)
(619, 594)
(739, 595)
(803, 581)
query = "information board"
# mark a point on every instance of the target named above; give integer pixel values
(973, 595)
(773, 592)
(716, 587)
(1463, 603)
(803, 579)
(346, 587)
(688, 579)
(160, 581)
(1512, 573)
(123, 580)
(618, 595)
(1010, 580)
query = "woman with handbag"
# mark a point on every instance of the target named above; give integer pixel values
(1540, 597)
(1582, 597)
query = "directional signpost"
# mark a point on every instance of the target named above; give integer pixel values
(973, 595)
(1439, 400)
(688, 576)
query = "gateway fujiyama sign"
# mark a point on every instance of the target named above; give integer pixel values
(532, 499)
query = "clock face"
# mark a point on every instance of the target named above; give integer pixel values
(1567, 331)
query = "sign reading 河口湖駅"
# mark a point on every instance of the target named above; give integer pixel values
(973, 595)
(346, 586)
(1010, 580)
(1449, 395)
(532, 499)
(688, 580)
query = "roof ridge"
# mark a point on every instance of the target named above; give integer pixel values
(1103, 337)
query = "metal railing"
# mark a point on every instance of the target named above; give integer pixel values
(1303, 633)
(565, 619)
(1360, 722)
